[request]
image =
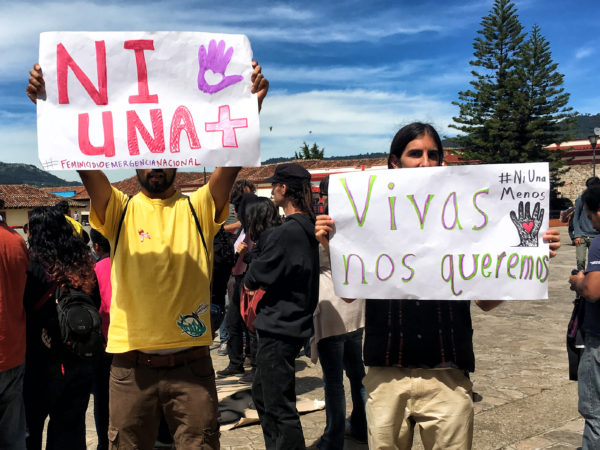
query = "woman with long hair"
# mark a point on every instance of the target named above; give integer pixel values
(262, 215)
(57, 383)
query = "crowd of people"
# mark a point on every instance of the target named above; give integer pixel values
(156, 280)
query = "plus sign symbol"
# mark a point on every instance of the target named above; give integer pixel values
(227, 126)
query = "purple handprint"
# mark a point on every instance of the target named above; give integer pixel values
(216, 60)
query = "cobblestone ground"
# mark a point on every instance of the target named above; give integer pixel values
(523, 398)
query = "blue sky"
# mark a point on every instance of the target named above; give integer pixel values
(344, 74)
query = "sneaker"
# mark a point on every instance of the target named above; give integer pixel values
(230, 371)
(222, 349)
(247, 362)
(247, 378)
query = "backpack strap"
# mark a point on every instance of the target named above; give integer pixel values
(199, 229)
(42, 301)
(119, 227)
(193, 214)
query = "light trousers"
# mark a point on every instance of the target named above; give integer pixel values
(439, 401)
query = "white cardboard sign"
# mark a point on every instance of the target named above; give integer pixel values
(444, 233)
(146, 100)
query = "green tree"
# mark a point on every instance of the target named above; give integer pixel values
(517, 104)
(486, 110)
(312, 152)
(543, 115)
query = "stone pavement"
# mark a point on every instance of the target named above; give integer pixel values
(524, 399)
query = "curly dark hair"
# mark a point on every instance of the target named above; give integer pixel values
(64, 256)
(240, 186)
(260, 216)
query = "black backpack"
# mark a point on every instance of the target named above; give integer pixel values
(79, 322)
(224, 256)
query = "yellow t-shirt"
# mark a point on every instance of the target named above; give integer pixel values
(160, 274)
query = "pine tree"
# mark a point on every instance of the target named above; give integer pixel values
(517, 105)
(544, 114)
(312, 152)
(486, 115)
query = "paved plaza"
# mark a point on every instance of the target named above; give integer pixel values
(523, 398)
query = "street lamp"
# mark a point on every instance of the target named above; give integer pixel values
(593, 140)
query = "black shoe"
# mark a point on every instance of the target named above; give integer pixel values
(230, 371)
(247, 378)
(349, 434)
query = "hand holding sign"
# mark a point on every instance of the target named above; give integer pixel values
(528, 226)
(213, 63)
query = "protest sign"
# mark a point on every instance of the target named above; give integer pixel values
(146, 100)
(444, 233)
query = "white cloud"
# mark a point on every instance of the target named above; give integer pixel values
(281, 23)
(584, 52)
(345, 122)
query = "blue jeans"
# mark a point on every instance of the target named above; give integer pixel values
(12, 409)
(336, 354)
(589, 391)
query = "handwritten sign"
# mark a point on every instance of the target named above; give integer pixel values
(444, 233)
(146, 100)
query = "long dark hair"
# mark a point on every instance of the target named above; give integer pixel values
(301, 197)
(64, 256)
(260, 216)
(411, 132)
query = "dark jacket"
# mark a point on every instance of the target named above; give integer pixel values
(43, 320)
(288, 269)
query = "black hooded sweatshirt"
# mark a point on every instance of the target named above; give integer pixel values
(288, 270)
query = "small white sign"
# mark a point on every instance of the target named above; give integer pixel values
(146, 100)
(443, 233)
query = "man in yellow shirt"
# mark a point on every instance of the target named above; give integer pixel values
(160, 309)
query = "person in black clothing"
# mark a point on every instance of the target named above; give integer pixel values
(57, 383)
(235, 325)
(288, 270)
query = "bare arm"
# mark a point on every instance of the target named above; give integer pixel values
(222, 179)
(552, 237)
(488, 305)
(586, 285)
(324, 225)
(99, 190)
(220, 184)
(36, 87)
(232, 227)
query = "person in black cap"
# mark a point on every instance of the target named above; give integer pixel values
(288, 270)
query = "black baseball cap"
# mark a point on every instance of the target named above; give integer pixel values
(291, 174)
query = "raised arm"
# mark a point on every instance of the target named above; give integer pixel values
(586, 285)
(99, 190)
(95, 182)
(36, 87)
(222, 179)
